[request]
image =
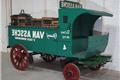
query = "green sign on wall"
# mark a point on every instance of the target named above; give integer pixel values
(70, 4)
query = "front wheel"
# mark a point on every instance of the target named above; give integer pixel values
(19, 57)
(71, 72)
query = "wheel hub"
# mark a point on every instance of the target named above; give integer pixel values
(69, 74)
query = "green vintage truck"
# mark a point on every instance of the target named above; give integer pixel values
(73, 39)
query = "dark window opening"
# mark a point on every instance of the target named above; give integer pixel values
(65, 19)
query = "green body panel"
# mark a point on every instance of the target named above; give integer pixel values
(45, 45)
(97, 44)
(93, 45)
(73, 38)
(79, 45)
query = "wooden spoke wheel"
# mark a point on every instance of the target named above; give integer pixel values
(48, 58)
(19, 57)
(71, 72)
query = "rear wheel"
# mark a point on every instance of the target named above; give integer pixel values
(19, 57)
(48, 58)
(71, 72)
